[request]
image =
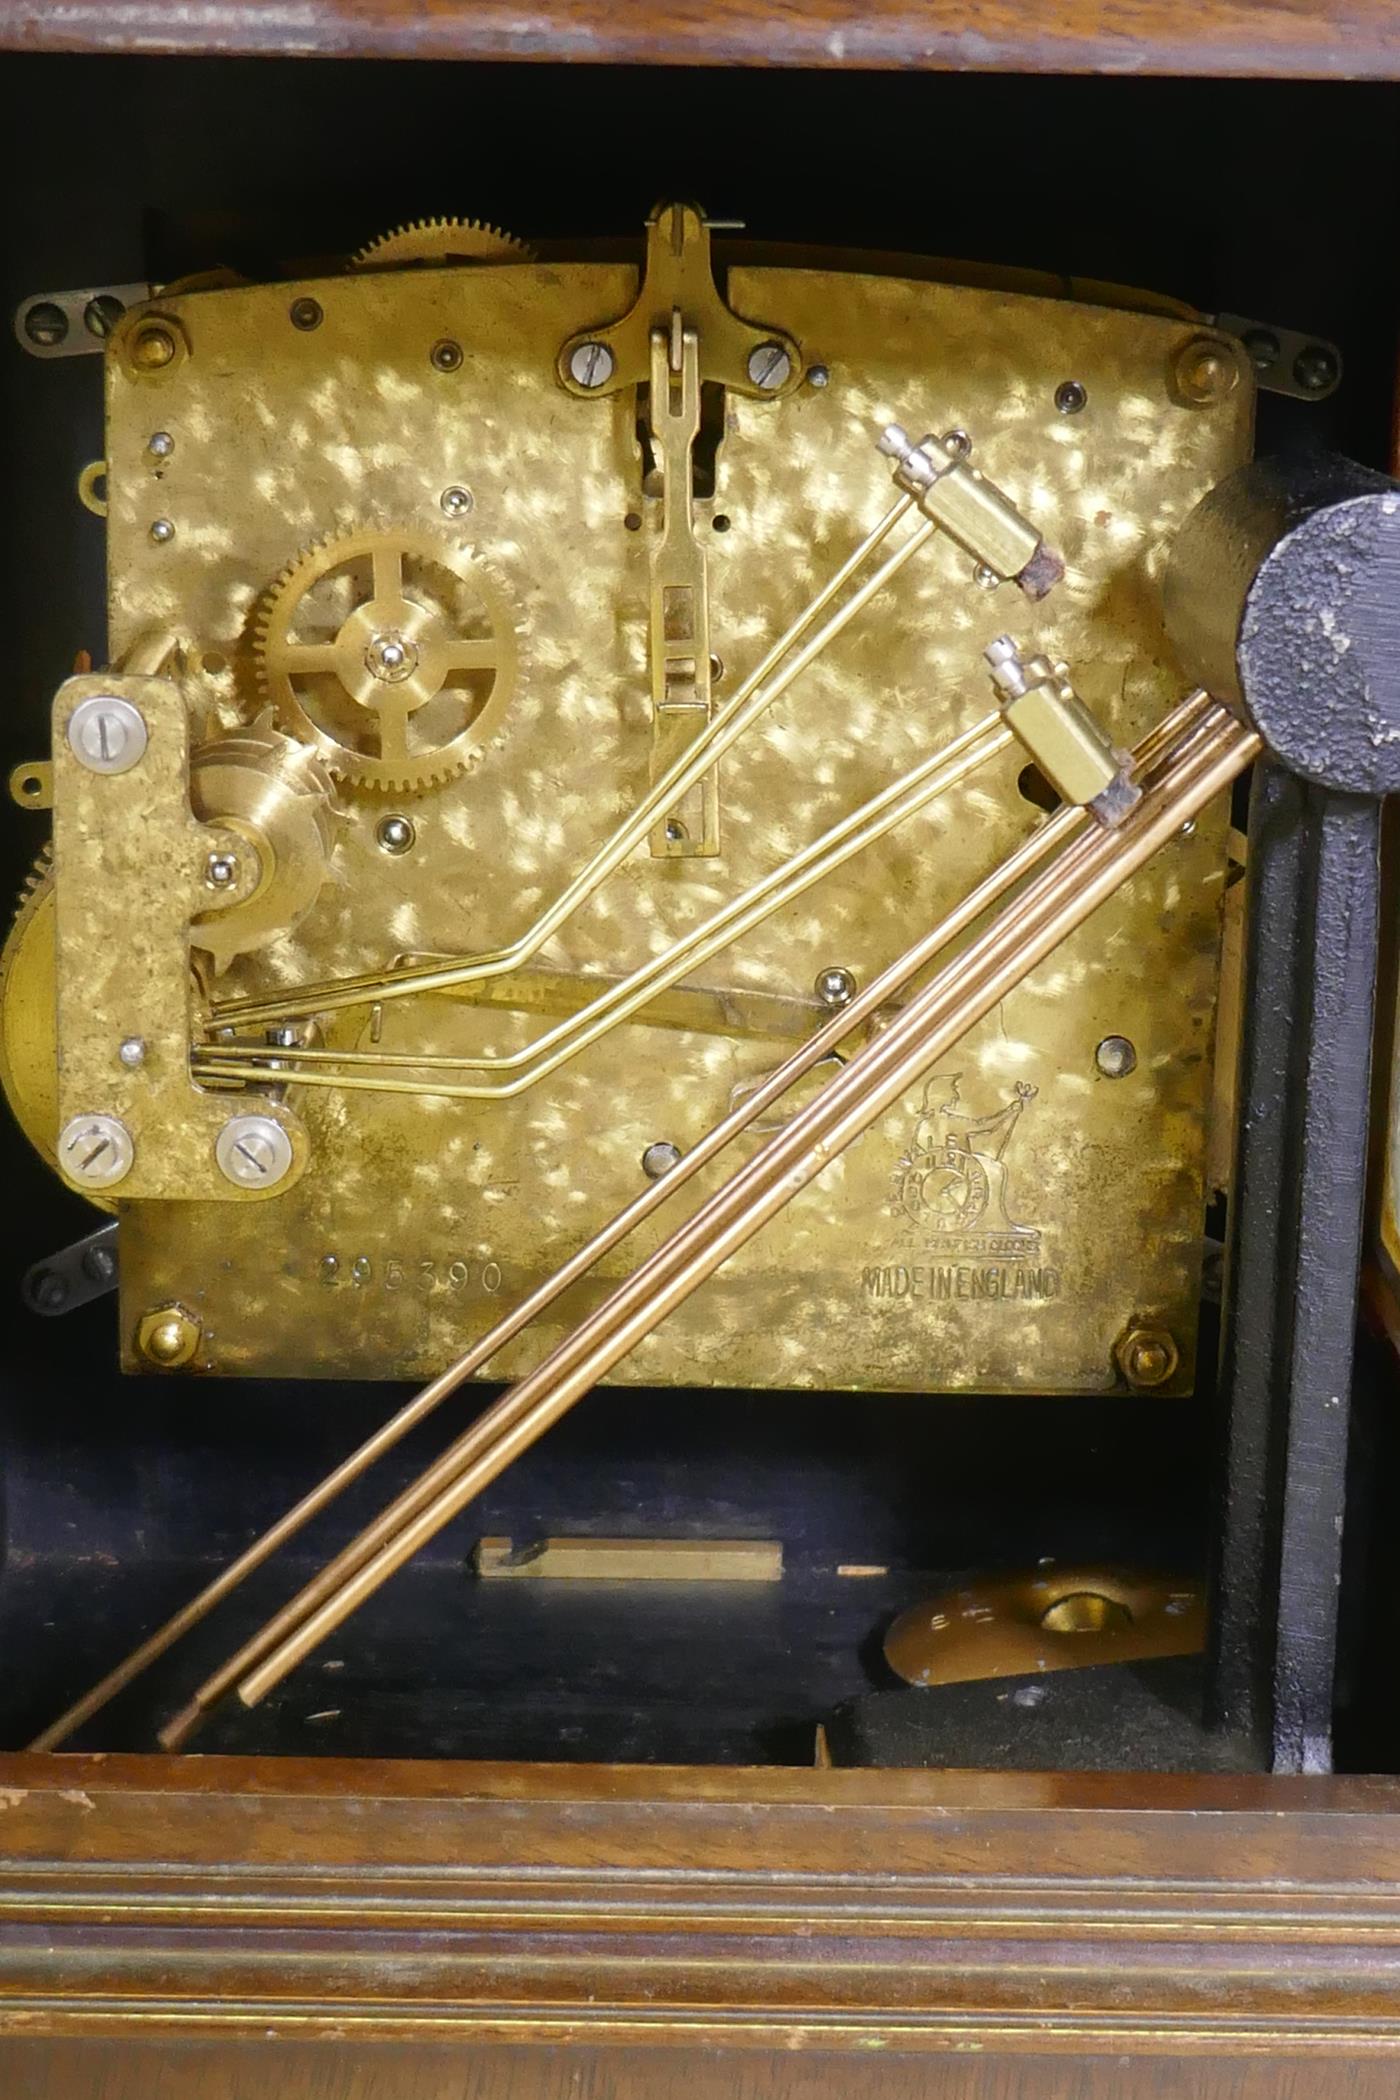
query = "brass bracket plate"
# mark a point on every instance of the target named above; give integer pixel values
(678, 281)
(129, 861)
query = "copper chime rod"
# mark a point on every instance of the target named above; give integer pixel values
(1088, 872)
(867, 1002)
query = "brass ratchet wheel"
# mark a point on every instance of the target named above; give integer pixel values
(441, 241)
(392, 653)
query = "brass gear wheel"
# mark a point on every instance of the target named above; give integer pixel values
(392, 653)
(441, 241)
(29, 1017)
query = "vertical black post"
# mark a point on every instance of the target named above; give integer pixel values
(1296, 1236)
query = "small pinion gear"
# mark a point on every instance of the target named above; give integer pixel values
(441, 241)
(392, 653)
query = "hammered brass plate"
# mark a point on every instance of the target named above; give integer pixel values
(1079, 1215)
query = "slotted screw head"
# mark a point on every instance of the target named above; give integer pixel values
(769, 366)
(46, 324)
(101, 315)
(106, 733)
(253, 1152)
(591, 364)
(95, 1151)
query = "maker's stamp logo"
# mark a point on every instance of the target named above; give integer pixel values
(954, 1184)
(953, 1180)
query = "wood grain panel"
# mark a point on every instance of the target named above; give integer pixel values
(1332, 39)
(750, 1915)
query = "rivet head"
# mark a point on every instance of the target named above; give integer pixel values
(160, 444)
(96, 1151)
(152, 347)
(818, 375)
(221, 871)
(168, 1336)
(445, 356)
(1147, 1356)
(658, 1159)
(132, 1052)
(835, 986)
(591, 364)
(395, 834)
(1205, 372)
(1116, 1057)
(456, 502)
(1071, 397)
(162, 532)
(769, 366)
(305, 314)
(107, 734)
(253, 1152)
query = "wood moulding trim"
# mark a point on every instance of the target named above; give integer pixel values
(776, 1909)
(1329, 39)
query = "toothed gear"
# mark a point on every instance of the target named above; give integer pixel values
(29, 1015)
(442, 241)
(392, 653)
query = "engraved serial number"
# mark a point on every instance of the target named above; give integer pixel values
(388, 1272)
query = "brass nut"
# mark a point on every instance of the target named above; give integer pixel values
(1147, 1356)
(168, 1336)
(1205, 370)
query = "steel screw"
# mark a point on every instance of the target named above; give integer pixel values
(1147, 1356)
(1263, 347)
(1315, 368)
(769, 366)
(160, 444)
(46, 324)
(395, 834)
(101, 315)
(48, 1293)
(1070, 397)
(1116, 1057)
(254, 1152)
(221, 870)
(100, 1264)
(152, 347)
(445, 356)
(106, 734)
(658, 1159)
(132, 1052)
(305, 313)
(591, 364)
(96, 1151)
(835, 986)
(168, 1336)
(456, 502)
